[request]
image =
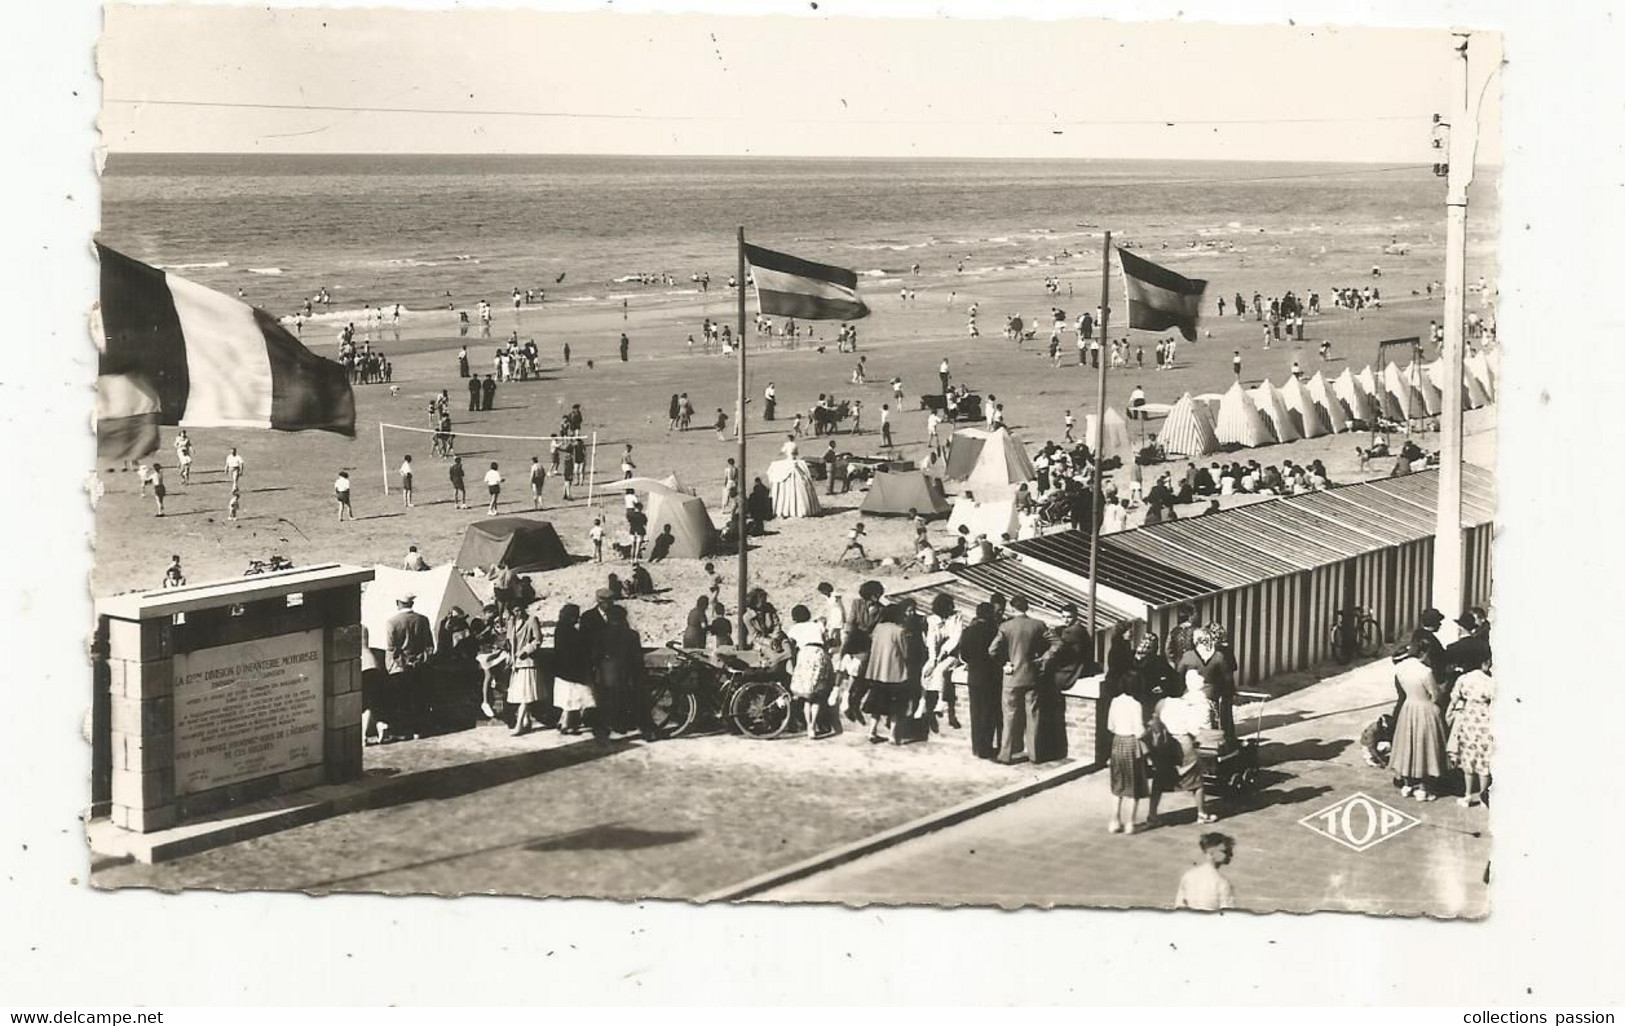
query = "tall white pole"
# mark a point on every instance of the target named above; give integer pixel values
(1448, 568)
(383, 457)
(1099, 441)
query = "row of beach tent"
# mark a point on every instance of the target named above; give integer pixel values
(1267, 414)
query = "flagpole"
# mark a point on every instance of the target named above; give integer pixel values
(739, 425)
(1100, 426)
(1448, 560)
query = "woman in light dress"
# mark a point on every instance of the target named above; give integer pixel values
(524, 681)
(572, 671)
(812, 675)
(1417, 760)
(1472, 741)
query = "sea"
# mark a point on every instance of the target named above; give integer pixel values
(437, 232)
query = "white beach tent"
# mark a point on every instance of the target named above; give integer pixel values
(1301, 409)
(964, 448)
(1329, 406)
(1492, 360)
(794, 494)
(1477, 369)
(1188, 430)
(1118, 441)
(1384, 399)
(1240, 423)
(1424, 389)
(436, 589)
(1273, 408)
(1434, 373)
(1354, 396)
(1001, 463)
(992, 514)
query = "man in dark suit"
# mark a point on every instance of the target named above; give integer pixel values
(982, 681)
(474, 393)
(488, 393)
(408, 642)
(1020, 644)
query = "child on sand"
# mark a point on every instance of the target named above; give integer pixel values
(1203, 887)
(459, 490)
(406, 480)
(722, 425)
(493, 485)
(341, 494)
(234, 505)
(597, 536)
(157, 478)
(538, 477)
(854, 543)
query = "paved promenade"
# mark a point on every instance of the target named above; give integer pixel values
(1053, 848)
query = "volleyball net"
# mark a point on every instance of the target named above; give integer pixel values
(430, 449)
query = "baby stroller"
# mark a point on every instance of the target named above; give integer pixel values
(1230, 766)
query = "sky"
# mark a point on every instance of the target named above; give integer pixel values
(706, 84)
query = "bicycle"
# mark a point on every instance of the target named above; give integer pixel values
(1354, 632)
(748, 700)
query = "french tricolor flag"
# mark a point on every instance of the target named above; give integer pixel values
(174, 352)
(788, 286)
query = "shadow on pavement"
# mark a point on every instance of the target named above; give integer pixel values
(609, 837)
(466, 778)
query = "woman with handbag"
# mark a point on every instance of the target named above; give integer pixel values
(524, 684)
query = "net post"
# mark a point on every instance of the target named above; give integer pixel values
(383, 457)
(592, 469)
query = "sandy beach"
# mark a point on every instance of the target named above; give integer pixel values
(287, 506)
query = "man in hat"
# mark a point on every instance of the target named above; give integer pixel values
(409, 639)
(1472, 649)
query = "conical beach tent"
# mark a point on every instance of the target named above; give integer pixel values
(1273, 408)
(1118, 441)
(1422, 387)
(793, 491)
(696, 536)
(523, 544)
(1434, 374)
(963, 449)
(1355, 397)
(1492, 360)
(1477, 395)
(1001, 463)
(994, 516)
(1188, 430)
(436, 590)
(676, 484)
(1239, 420)
(1327, 404)
(894, 494)
(1301, 409)
(1477, 368)
(1387, 396)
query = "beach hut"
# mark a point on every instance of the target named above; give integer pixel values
(1301, 409)
(435, 592)
(1001, 463)
(1239, 420)
(1118, 442)
(993, 515)
(691, 527)
(1328, 405)
(523, 544)
(963, 449)
(793, 492)
(1188, 431)
(894, 494)
(1276, 573)
(1273, 409)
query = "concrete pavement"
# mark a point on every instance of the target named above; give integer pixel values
(1053, 849)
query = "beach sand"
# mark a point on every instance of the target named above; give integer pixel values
(287, 504)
